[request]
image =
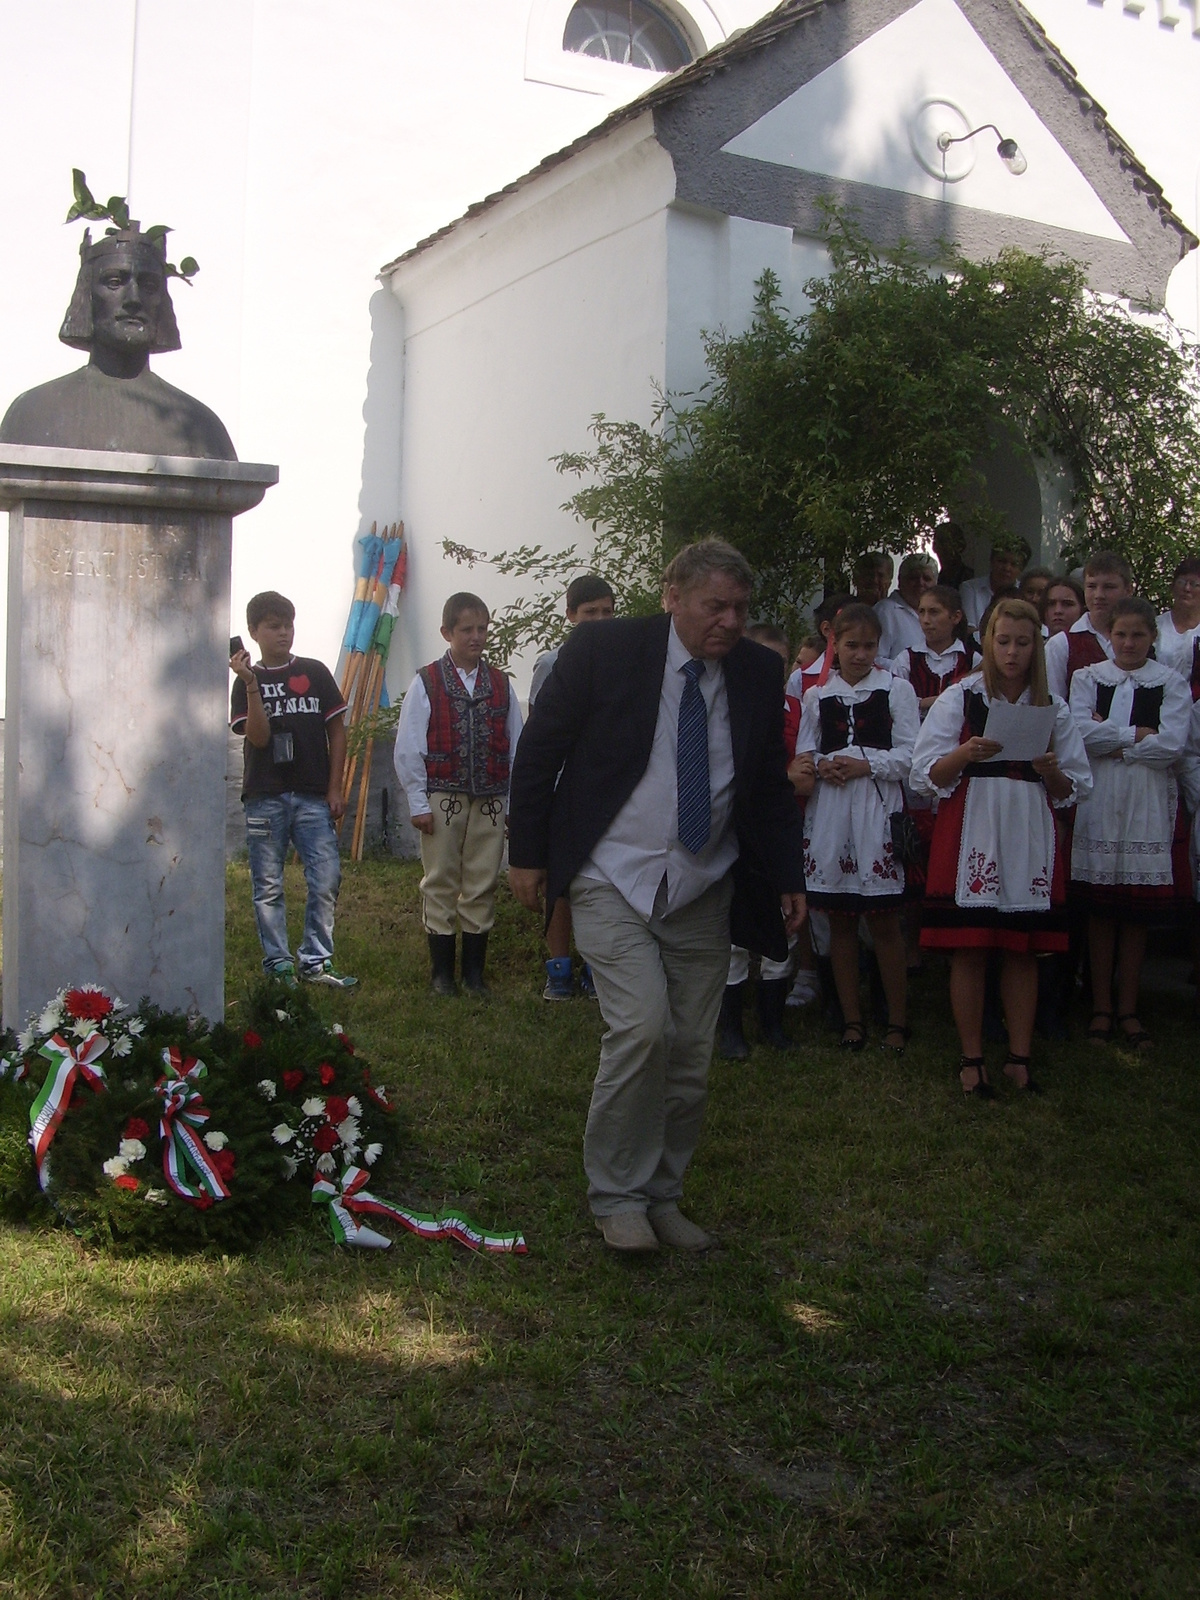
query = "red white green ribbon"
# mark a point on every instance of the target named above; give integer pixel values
(183, 1110)
(349, 1198)
(67, 1063)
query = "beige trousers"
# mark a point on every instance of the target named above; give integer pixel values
(659, 981)
(462, 859)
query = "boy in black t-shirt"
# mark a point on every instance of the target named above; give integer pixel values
(290, 710)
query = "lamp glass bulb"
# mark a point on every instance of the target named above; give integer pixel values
(1010, 153)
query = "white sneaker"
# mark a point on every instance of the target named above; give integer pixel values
(806, 989)
(673, 1229)
(628, 1230)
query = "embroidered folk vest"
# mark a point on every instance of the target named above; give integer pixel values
(868, 724)
(468, 749)
(1147, 704)
(1083, 650)
(926, 682)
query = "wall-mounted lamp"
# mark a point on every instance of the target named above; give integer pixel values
(1008, 150)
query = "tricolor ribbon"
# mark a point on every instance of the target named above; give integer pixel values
(183, 1111)
(16, 1069)
(67, 1063)
(349, 1198)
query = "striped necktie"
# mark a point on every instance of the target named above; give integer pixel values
(691, 763)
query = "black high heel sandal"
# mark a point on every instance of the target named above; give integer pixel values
(1101, 1035)
(1029, 1086)
(857, 1044)
(981, 1088)
(904, 1033)
(1139, 1039)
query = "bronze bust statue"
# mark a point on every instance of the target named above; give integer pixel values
(121, 312)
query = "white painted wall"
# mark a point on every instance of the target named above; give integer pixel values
(551, 307)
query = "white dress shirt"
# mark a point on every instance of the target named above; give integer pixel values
(976, 596)
(901, 627)
(642, 846)
(542, 668)
(412, 738)
(1056, 654)
(1172, 648)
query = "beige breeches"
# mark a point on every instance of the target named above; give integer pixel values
(462, 859)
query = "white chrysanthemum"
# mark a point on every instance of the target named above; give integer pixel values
(50, 1018)
(116, 1167)
(216, 1141)
(348, 1131)
(326, 1163)
(337, 1028)
(156, 1197)
(137, 1027)
(313, 1107)
(26, 1040)
(84, 1028)
(290, 1167)
(131, 1083)
(281, 1016)
(121, 1046)
(266, 1088)
(131, 1149)
(372, 1154)
(355, 1105)
(282, 1134)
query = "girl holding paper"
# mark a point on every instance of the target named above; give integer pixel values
(997, 878)
(1134, 715)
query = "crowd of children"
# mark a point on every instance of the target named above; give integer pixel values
(931, 822)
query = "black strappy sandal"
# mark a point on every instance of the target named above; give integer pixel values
(1139, 1039)
(857, 1044)
(1101, 1035)
(904, 1033)
(981, 1088)
(1029, 1086)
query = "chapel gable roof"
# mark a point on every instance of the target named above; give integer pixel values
(698, 109)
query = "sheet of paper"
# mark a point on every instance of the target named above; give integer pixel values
(1024, 731)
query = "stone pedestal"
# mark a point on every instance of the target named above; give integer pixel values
(115, 729)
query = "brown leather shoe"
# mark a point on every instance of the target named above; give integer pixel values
(674, 1230)
(628, 1230)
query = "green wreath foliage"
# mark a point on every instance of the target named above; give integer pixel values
(286, 1072)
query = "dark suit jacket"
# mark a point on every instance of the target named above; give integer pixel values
(587, 744)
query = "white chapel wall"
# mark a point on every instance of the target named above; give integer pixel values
(549, 308)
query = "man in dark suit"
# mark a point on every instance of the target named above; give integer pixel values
(650, 785)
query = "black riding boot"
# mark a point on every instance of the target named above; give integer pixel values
(474, 953)
(441, 957)
(772, 996)
(731, 1041)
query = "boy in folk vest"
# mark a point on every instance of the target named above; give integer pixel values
(459, 726)
(1107, 578)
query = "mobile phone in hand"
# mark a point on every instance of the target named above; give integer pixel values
(235, 645)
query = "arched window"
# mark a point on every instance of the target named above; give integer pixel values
(628, 31)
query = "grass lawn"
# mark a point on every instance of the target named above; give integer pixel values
(945, 1348)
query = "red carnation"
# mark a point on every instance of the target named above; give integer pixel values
(224, 1161)
(201, 1201)
(87, 1005)
(292, 1079)
(337, 1109)
(324, 1139)
(347, 1043)
(251, 1039)
(326, 1073)
(126, 1182)
(136, 1128)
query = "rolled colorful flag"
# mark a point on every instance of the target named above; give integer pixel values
(369, 546)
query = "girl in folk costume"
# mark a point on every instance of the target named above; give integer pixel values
(1179, 627)
(1134, 715)
(944, 658)
(997, 880)
(858, 729)
(1062, 605)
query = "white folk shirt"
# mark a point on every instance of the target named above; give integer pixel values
(642, 846)
(976, 596)
(1056, 654)
(901, 627)
(412, 738)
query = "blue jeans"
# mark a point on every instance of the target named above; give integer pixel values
(273, 822)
